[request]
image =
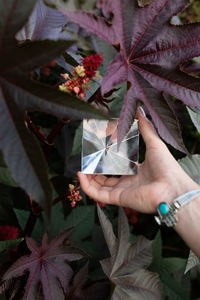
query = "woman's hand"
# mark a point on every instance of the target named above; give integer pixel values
(160, 178)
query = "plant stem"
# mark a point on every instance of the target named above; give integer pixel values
(35, 213)
(32, 126)
(52, 135)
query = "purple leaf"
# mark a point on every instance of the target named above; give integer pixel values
(162, 114)
(105, 6)
(46, 265)
(93, 24)
(126, 267)
(117, 72)
(151, 48)
(129, 107)
(172, 46)
(44, 23)
(173, 82)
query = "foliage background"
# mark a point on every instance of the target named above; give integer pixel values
(169, 253)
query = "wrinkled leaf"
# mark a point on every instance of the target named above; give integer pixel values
(151, 50)
(46, 265)
(127, 266)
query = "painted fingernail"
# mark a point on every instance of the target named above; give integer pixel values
(142, 111)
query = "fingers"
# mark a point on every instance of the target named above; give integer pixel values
(147, 130)
(93, 188)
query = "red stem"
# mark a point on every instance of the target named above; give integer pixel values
(35, 130)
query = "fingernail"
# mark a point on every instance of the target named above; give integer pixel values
(142, 111)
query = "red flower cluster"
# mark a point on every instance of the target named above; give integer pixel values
(82, 75)
(74, 85)
(74, 195)
(91, 64)
(132, 215)
(8, 233)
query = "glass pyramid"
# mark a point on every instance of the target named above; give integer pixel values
(99, 148)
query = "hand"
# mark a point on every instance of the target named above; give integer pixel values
(160, 178)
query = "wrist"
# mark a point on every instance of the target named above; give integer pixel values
(168, 214)
(181, 187)
(188, 224)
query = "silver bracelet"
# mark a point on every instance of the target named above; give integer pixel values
(167, 213)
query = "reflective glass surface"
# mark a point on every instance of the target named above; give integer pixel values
(99, 148)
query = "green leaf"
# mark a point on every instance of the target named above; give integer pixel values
(69, 59)
(40, 225)
(172, 288)
(7, 215)
(173, 264)
(108, 51)
(165, 268)
(6, 178)
(22, 217)
(192, 262)
(157, 253)
(190, 165)
(10, 244)
(195, 117)
(77, 145)
(82, 220)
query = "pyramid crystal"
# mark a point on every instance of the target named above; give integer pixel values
(100, 154)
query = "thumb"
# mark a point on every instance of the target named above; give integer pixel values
(147, 130)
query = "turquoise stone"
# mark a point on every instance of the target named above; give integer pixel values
(163, 208)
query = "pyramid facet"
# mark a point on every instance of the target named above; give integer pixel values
(99, 148)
